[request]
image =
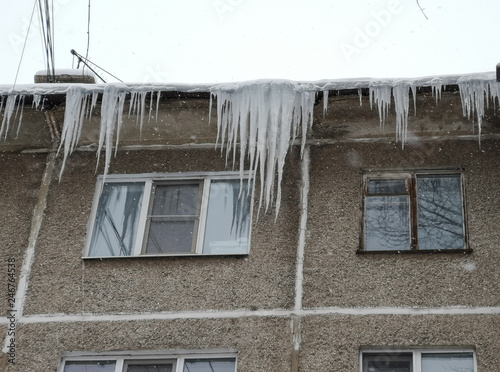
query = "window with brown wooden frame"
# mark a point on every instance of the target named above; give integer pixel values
(417, 210)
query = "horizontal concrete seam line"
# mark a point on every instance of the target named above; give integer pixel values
(155, 147)
(311, 142)
(54, 318)
(450, 310)
(332, 141)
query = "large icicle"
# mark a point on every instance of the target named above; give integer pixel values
(381, 94)
(264, 117)
(10, 105)
(472, 93)
(76, 103)
(401, 95)
(113, 100)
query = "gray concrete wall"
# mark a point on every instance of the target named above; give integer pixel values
(335, 275)
(21, 176)
(332, 343)
(263, 343)
(264, 279)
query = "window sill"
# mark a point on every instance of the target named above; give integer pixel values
(416, 251)
(165, 256)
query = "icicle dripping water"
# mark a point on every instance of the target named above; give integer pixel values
(264, 117)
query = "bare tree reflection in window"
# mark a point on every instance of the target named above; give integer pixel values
(440, 213)
(387, 219)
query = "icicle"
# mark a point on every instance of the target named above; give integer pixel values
(494, 90)
(7, 114)
(92, 105)
(140, 112)
(436, 91)
(414, 94)
(21, 116)
(73, 117)
(158, 95)
(263, 116)
(325, 102)
(36, 101)
(2, 100)
(132, 103)
(112, 111)
(401, 103)
(360, 94)
(472, 94)
(150, 106)
(381, 94)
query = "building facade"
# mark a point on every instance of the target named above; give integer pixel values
(383, 255)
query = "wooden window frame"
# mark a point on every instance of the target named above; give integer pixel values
(410, 177)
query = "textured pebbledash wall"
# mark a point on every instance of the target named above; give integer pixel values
(332, 343)
(334, 275)
(21, 176)
(263, 343)
(62, 283)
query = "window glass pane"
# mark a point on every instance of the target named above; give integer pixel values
(228, 219)
(176, 200)
(387, 362)
(173, 233)
(440, 219)
(387, 186)
(210, 365)
(387, 223)
(446, 362)
(158, 367)
(117, 217)
(167, 235)
(88, 366)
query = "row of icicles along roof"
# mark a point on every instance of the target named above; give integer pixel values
(263, 117)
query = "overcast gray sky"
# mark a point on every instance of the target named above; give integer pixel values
(209, 41)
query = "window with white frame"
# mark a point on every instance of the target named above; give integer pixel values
(422, 360)
(413, 210)
(163, 214)
(149, 362)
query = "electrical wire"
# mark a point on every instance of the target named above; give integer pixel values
(24, 45)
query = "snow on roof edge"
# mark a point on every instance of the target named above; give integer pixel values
(319, 85)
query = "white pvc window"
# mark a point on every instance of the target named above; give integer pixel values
(142, 362)
(423, 360)
(163, 215)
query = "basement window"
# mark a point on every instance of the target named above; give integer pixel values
(424, 360)
(154, 362)
(413, 211)
(185, 214)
